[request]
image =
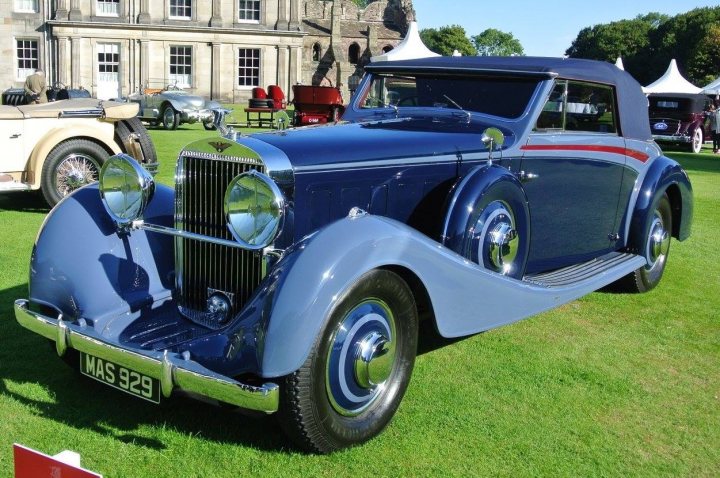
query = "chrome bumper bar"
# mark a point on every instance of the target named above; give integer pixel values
(172, 370)
(674, 138)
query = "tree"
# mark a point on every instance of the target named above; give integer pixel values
(624, 38)
(648, 43)
(704, 63)
(494, 42)
(445, 40)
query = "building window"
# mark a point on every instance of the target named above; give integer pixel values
(354, 53)
(181, 66)
(26, 6)
(108, 59)
(108, 8)
(28, 56)
(316, 52)
(249, 10)
(181, 9)
(248, 67)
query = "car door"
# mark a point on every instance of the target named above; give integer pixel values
(572, 169)
(12, 140)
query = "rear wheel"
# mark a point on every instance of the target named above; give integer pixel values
(655, 247)
(352, 382)
(69, 166)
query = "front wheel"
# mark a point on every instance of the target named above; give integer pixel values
(352, 382)
(69, 166)
(697, 141)
(170, 118)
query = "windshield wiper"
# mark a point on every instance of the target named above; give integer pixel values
(454, 103)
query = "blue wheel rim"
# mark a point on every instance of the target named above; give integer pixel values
(348, 395)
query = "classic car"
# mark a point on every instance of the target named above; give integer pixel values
(288, 271)
(316, 104)
(172, 106)
(60, 146)
(679, 119)
(58, 91)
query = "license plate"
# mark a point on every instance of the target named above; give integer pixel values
(122, 378)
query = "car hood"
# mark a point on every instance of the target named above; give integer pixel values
(317, 146)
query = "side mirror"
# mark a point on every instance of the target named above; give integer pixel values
(493, 138)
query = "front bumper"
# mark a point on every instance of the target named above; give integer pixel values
(193, 116)
(173, 370)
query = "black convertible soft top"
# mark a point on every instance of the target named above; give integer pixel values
(633, 104)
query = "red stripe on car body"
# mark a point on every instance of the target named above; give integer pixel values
(632, 153)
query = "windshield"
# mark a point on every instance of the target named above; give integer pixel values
(503, 97)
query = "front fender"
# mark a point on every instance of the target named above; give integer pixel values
(100, 132)
(665, 175)
(82, 267)
(465, 298)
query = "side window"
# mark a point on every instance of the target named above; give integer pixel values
(578, 106)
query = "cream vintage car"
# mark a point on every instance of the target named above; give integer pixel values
(60, 146)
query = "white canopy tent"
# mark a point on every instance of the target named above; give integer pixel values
(671, 82)
(411, 47)
(619, 63)
(713, 88)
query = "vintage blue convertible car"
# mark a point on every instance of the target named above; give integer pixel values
(288, 271)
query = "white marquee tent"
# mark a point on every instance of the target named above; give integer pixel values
(411, 47)
(671, 82)
(713, 88)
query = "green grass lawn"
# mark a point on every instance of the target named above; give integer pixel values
(608, 385)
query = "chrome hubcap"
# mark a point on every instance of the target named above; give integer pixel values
(169, 116)
(361, 357)
(74, 172)
(374, 361)
(658, 242)
(498, 239)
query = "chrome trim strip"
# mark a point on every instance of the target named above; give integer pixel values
(386, 163)
(191, 235)
(172, 370)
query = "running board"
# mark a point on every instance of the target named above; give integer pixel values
(14, 186)
(607, 264)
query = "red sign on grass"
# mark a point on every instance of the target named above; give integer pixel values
(33, 464)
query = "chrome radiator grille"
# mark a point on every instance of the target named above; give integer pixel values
(203, 268)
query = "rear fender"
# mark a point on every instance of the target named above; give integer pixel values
(665, 175)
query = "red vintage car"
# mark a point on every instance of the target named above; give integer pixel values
(679, 119)
(317, 104)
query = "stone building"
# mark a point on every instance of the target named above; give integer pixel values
(219, 49)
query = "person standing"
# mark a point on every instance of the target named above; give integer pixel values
(714, 115)
(36, 88)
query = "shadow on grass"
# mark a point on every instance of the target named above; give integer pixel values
(82, 403)
(23, 201)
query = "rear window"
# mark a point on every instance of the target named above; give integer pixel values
(503, 97)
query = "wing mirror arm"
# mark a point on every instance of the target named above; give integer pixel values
(492, 138)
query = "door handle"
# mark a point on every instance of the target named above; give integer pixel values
(524, 176)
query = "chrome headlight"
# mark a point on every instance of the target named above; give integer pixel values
(125, 188)
(254, 208)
